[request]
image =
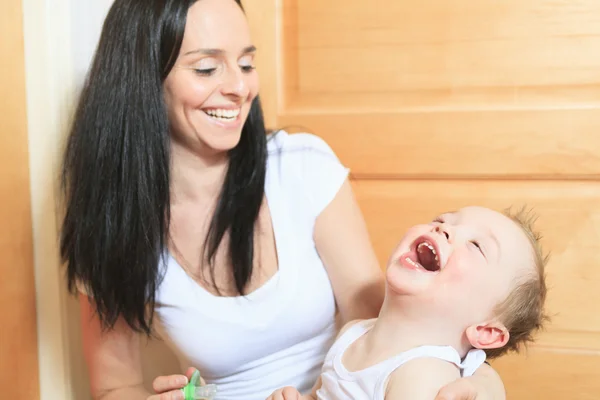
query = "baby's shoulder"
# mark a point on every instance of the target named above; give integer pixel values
(421, 378)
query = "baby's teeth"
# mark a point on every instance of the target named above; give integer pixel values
(429, 246)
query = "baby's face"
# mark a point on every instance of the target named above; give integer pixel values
(463, 263)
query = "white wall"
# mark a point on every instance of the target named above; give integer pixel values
(86, 23)
(60, 38)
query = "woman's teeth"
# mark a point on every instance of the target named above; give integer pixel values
(222, 114)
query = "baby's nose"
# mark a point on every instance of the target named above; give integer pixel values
(441, 229)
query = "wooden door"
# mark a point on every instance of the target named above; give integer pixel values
(18, 340)
(440, 104)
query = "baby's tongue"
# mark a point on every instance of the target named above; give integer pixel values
(427, 259)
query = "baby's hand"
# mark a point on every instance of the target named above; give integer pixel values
(286, 393)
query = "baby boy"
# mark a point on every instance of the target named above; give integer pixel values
(470, 284)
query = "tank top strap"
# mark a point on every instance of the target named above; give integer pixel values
(473, 360)
(348, 337)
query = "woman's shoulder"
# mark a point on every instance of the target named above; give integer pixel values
(300, 146)
(305, 167)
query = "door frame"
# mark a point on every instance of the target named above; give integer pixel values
(49, 88)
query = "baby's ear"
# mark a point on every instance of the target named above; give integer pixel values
(488, 335)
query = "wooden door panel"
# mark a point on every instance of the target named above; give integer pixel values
(350, 47)
(550, 374)
(471, 80)
(415, 87)
(474, 143)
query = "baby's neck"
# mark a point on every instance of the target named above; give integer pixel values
(403, 326)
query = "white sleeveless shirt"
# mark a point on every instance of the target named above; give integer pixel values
(279, 334)
(370, 383)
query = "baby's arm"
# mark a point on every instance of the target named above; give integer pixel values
(420, 379)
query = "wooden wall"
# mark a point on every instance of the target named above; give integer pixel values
(18, 340)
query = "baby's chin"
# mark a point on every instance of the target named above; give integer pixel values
(408, 291)
(404, 277)
(410, 288)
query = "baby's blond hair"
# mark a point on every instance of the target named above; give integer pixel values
(523, 312)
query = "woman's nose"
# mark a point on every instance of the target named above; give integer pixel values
(234, 83)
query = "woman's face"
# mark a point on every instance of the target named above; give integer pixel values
(210, 89)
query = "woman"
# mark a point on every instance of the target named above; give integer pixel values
(178, 205)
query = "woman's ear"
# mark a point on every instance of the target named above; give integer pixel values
(488, 335)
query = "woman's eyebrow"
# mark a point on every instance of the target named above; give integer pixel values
(218, 52)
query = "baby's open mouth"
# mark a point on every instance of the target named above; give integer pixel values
(428, 257)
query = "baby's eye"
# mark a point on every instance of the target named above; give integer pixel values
(439, 219)
(476, 244)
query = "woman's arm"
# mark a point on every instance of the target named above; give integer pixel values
(485, 384)
(114, 363)
(343, 243)
(112, 357)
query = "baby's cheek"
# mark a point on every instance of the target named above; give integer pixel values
(464, 279)
(459, 269)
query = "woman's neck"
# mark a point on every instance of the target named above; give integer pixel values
(195, 177)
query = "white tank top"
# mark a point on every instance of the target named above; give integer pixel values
(279, 334)
(370, 383)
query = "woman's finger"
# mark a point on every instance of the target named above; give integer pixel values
(190, 371)
(166, 383)
(290, 393)
(276, 395)
(171, 395)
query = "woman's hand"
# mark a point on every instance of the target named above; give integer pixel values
(288, 393)
(485, 384)
(169, 387)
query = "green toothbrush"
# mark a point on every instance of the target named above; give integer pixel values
(193, 392)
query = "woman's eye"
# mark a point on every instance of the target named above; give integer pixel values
(206, 66)
(247, 68)
(204, 71)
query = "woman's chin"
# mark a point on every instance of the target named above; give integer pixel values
(216, 144)
(224, 144)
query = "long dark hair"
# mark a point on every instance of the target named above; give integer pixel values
(115, 174)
